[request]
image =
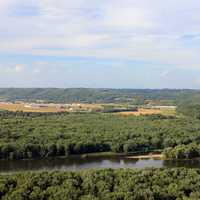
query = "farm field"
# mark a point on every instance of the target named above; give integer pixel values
(48, 108)
(142, 111)
(22, 107)
(150, 111)
(56, 108)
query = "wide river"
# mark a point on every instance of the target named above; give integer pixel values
(78, 163)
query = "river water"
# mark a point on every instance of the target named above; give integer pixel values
(79, 163)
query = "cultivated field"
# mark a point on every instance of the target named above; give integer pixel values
(25, 107)
(33, 107)
(150, 111)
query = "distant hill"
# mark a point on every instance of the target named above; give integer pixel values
(89, 95)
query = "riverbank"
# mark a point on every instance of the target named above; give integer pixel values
(138, 155)
(148, 156)
(100, 154)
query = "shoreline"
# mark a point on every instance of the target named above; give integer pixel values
(97, 154)
(148, 156)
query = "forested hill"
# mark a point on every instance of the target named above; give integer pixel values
(96, 95)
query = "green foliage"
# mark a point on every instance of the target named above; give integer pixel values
(71, 95)
(149, 184)
(191, 110)
(37, 135)
(183, 151)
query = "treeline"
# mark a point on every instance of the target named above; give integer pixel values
(186, 151)
(9, 114)
(183, 151)
(33, 150)
(117, 109)
(149, 184)
(71, 95)
(37, 135)
(189, 109)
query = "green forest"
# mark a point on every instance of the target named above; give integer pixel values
(40, 135)
(108, 184)
(99, 99)
(189, 109)
(26, 135)
(89, 95)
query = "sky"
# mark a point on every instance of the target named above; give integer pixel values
(100, 43)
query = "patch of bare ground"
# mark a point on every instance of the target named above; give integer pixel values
(156, 156)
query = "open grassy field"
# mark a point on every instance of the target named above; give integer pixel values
(51, 108)
(22, 107)
(48, 107)
(150, 111)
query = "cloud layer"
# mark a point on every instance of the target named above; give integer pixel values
(166, 33)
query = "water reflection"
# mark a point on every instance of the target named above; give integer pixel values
(78, 163)
(182, 163)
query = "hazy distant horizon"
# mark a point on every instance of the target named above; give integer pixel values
(106, 88)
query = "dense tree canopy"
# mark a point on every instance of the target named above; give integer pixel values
(191, 110)
(36, 135)
(183, 151)
(149, 184)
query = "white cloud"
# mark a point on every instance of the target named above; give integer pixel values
(120, 16)
(4, 5)
(131, 29)
(19, 68)
(165, 73)
(36, 71)
(12, 68)
(197, 81)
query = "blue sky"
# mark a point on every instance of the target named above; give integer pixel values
(107, 43)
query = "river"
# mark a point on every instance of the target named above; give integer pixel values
(79, 163)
